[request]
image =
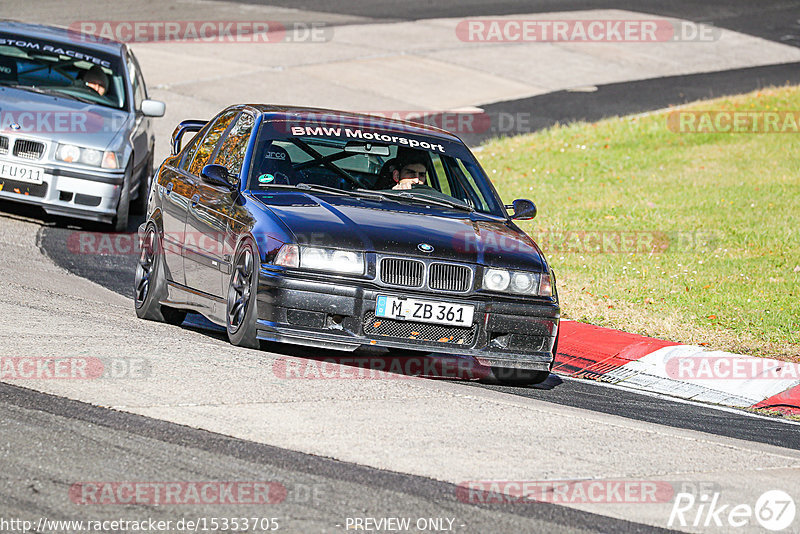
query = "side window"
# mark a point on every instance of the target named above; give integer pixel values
(190, 150)
(438, 179)
(232, 151)
(206, 146)
(468, 180)
(139, 90)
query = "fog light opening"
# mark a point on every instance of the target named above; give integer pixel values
(335, 321)
(499, 340)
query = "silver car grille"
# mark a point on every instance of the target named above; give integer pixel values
(28, 149)
(3, 145)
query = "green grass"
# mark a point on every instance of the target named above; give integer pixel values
(726, 206)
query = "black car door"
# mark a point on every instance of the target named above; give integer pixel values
(176, 186)
(206, 221)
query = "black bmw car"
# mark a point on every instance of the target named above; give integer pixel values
(337, 230)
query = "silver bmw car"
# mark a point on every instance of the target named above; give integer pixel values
(75, 124)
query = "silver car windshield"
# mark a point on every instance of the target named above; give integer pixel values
(62, 70)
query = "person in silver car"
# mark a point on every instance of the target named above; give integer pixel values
(75, 124)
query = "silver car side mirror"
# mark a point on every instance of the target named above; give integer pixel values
(153, 108)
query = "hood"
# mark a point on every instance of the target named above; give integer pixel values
(59, 119)
(389, 227)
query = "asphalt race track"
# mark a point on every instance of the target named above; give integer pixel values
(51, 437)
(580, 394)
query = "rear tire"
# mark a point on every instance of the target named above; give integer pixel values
(519, 377)
(242, 303)
(150, 286)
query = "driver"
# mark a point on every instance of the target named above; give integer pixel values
(96, 79)
(410, 171)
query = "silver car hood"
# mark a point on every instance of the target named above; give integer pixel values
(60, 119)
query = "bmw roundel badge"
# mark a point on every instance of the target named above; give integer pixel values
(424, 247)
(15, 126)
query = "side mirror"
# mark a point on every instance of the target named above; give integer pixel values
(217, 175)
(524, 209)
(153, 108)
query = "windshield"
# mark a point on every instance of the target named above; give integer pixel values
(62, 69)
(399, 165)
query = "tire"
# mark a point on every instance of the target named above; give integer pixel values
(555, 348)
(149, 284)
(241, 310)
(120, 221)
(519, 377)
(139, 206)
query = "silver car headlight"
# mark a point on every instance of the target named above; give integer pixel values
(87, 156)
(517, 282)
(321, 259)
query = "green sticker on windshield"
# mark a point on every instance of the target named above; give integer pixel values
(265, 178)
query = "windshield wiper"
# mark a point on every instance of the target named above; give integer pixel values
(423, 198)
(326, 189)
(47, 91)
(34, 88)
(59, 92)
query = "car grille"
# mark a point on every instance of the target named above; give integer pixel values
(28, 149)
(404, 273)
(433, 275)
(449, 277)
(410, 330)
(3, 145)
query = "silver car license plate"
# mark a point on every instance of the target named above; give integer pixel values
(20, 173)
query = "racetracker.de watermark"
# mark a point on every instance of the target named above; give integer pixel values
(710, 367)
(590, 242)
(754, 122)
(73, 368)
(380, 367)
(58, 121)
(201, 31)
(565, 491)
(584, 31)
(175, 493)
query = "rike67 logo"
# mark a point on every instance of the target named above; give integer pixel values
(774, 510)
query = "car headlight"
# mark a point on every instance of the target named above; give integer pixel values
(86, 156)
(517, 282)
(321, 259)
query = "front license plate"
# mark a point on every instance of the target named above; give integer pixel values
(21, 173)
(424, 311)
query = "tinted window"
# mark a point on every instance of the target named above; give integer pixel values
(62, 69)
(206, 146)
(232, 150)
(351, 158)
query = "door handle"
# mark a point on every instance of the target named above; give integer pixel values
(195, 200)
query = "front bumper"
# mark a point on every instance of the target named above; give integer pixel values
(86, 195)
(505, 333)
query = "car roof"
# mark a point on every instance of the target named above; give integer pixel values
(346, 118)
(60, 34)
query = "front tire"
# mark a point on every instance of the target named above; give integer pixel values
(139, 206)
(519, 377)
(120, 221)
(242, 306)
(150, 286)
